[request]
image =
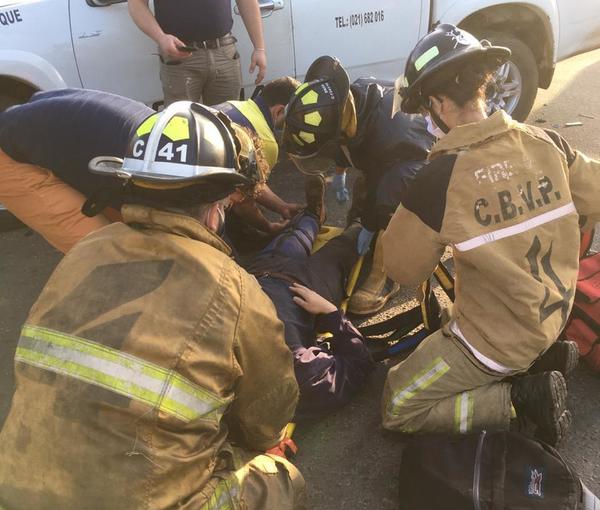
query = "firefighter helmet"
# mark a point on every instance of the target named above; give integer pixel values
(437, 58)
(319, 113)
(186, 145)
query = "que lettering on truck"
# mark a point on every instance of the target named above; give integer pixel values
(10, 17)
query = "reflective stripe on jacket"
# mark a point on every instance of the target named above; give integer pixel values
(147, 350)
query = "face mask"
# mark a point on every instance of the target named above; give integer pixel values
(433, 129)
(221, 229)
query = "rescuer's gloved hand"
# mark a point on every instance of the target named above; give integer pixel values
(364, 241)
(339, 185)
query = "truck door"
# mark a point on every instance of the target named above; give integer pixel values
(277, 29)
(579, 27)
(112, 53)
(370, 38)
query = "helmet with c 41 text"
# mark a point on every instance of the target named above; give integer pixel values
(186, 154)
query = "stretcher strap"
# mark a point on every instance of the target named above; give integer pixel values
(397, 328)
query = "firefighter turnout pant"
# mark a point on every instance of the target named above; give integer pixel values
(442, 388)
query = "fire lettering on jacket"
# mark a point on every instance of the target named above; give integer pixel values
(530, 196)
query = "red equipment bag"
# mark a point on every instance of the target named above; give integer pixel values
(584, 324)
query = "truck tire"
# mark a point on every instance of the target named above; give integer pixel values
(521, 71)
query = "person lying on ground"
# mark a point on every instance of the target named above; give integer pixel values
(307, 290)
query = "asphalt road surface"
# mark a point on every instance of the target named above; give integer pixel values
(347, 459)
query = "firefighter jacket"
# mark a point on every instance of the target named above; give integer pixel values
(148, 351)
(507, 198)
(383, 143)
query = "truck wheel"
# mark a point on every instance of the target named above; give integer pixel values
(515, 84)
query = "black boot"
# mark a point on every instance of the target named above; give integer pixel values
(542, 398)
(562, 356)
(314, 188)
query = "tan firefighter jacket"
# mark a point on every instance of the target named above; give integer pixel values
(507, 198)
(146, 351)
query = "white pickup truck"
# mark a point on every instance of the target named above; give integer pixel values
(48, 44)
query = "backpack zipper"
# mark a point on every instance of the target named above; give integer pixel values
(477, 471)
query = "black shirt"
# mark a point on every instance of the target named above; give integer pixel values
(194, 20)
(62, 130)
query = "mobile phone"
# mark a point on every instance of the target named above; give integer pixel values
(187, 48)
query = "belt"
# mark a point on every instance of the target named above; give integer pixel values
(212, 44)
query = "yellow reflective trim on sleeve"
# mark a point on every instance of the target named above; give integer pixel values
(177, 129)
(310, 97)
(147, 125)
(427, 57)
(297, 140)
(313, 118)
(94, 363)
(419, 382)
(307, 137)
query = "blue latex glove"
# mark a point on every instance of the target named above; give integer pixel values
(364, 241)
(339, 185)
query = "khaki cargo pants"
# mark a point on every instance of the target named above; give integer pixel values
(45, 203)
(207, 76)
(253, 482)
(441, 388)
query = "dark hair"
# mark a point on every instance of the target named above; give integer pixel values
(468, 85)
(279, 91)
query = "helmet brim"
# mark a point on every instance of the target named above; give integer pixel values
(114, 167)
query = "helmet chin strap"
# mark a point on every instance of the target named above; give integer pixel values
(436, 118)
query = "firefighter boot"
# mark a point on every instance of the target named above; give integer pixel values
(541, 398)
(377, 288)
(314, 189)
(562, 356)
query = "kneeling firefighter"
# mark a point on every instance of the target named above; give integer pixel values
(509, 199)
(328, 120)
(152, 371)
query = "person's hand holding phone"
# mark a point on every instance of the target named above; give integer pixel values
(172, 48)
(311, 301)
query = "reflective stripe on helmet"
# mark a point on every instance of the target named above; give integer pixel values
(147, 125)
(313, 118)
(177, 129)
(307, 137)
(427, 57)
(311, 97)
(122, 373)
